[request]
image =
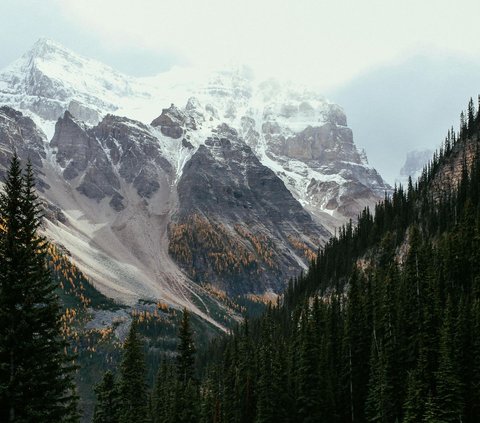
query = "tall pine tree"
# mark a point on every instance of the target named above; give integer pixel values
(36, 375)
(106, 408)
(133, 389)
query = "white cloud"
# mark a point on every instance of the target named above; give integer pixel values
(320, 42)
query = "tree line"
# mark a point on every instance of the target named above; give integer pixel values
(36, 371)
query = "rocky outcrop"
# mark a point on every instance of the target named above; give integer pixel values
(171, 122)
(19, 133)
(320, 163)
(135, 152)
(99, 158)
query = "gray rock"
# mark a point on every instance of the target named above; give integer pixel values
(117, 202)
(116, 148)
(226, 190)
(83, 112)
(19, 133)
(171, 122)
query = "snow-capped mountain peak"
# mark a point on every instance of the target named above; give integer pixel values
(138, 164)
(49, 79)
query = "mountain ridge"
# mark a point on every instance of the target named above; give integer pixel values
(120, 182)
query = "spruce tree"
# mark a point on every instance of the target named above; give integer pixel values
(187, 395)
(36, 375)
(106, 408)
(186, 351)
(133, 389)
(308, 374)
(449, 388)
(160, 394)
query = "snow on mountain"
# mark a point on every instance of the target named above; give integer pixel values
(272, 116)
(118, 180)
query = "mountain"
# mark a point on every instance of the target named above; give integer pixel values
(414, 164)
(232, 189)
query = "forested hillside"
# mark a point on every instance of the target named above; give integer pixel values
(384, 327)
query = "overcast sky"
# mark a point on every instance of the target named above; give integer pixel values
(328, 44)
(320, 42)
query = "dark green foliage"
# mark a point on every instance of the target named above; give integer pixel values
(36, 375)
(186, 351)
(449, 387)
(108, 404)
(176, 396)
(132, 387)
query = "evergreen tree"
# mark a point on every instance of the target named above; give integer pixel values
(186, 351)
(265, 399)
(107, 405)
(308, 374)
(432, 412)
(160, 395)
(36, 375)
(377, 406)
(187, 388)
(132, 388)
(417, 391)
(449, 389)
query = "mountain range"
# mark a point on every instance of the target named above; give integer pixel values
(189, 182)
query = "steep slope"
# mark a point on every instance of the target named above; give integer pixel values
(110, 212)
(49, 79)
(237, 224)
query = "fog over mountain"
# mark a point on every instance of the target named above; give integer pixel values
(403, 107)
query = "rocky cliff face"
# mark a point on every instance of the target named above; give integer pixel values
(19, 133)
(235, 185)
(237, 224)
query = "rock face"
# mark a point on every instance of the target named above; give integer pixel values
(117, 148)
(237, 223)
(49, 79)
(19, 133)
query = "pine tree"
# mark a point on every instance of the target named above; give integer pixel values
(475, 406)
(417, 390)
(265, 401)
(246, 376)
(187, 395)
(377, 406)
(449, 389)
(308, 373)
(106, 408)
(36, 375)
(432, 412)
(132, 389)
(160, 394)
(186, 351)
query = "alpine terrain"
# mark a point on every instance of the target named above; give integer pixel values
(163, 189)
